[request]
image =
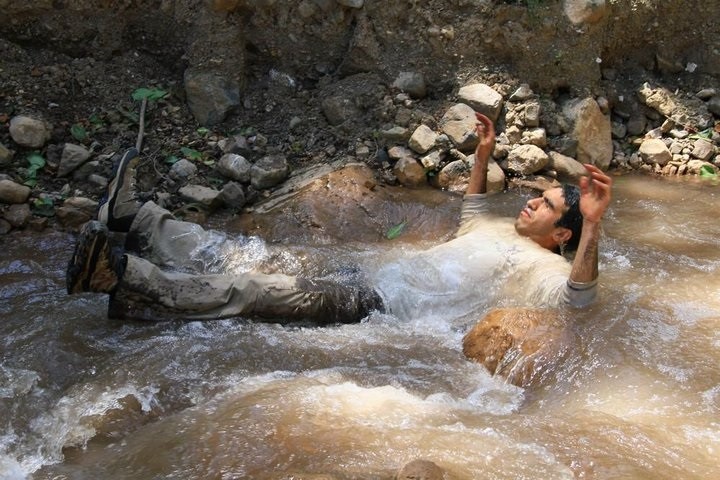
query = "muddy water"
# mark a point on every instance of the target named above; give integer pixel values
(82, 397)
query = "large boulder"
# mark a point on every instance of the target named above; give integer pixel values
(592, 130)
(522, 345)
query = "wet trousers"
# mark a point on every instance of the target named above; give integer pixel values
(151, 290)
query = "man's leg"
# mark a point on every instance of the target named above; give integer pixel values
(141, 290)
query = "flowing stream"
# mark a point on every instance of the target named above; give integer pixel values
(84, 397)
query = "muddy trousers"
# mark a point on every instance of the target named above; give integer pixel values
(149, 290)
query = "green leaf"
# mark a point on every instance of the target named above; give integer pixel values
(95, 120)
(171, 159)
(78, 132)
(36, 161)
(44, 207)
(30, 182)
(203, 131)
(395, 231)
(191, 153)
(706, 171)
(149, 93)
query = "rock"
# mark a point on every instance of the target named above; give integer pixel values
(531, 114)
(72, 157)
(338, 109)
(412, 83)
(495, 175)
(236, 144)
(654, 151)
(568, 169)
(235, 167)
(11, 192)
(18, 215)
(395, 134)
(537, 183)
(351, 3)
(585, 11)
(527, 159)
(182, 170)
(454, 176)
(5, 227)
(269, 171)
(713, 105)
(75, 211)
(432, 160)
(534, 136)
(482, 98)
(458, 124)
(659, 99)
(519, 344)
(706, 93)
(421, 470)
(29, 132)
(694, 167)
(98, 181)
(210, 96)
(398, 152)
(6, 155)
(205, 196)
(422, 139)
(703, 150)
(409, 172)
(233, 195)
(524, 92)
(618, 130)
(592, 131)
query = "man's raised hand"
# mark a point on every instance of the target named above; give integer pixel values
(595, 193)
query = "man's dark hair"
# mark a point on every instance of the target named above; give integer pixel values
(572, 218)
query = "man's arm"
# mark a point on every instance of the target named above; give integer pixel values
(478, 175)
(594, 199)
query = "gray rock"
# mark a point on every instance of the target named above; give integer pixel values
(206, 196)
(5, 227)
(11, 192)
(524, 92)
(398, 152)
(6, 155)
(483, 99)
(269, 171)
(568, 169)
(703, 150)
(432, 160)
(18, 215)
(351, 3)
(75, 211)
(412, 83)
(527, 159)
(713, 105)
(29, 132)
(659, 99)
(534, 136)
(422, 139)
(421, 470)
(585, 11)
(706, 93)
(210, 96)
(233, 195)
(618, 129)
(339, 109)
(531, 114)
(235, 167)
(694, 166)
(182, 170)
(454, 176)
(98, 181)
(409, 172)
(654, 151)
(395, 134)
(72, 157)
(592, 131)
(458, 124)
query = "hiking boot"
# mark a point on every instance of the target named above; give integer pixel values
(94, 266)
(121, 201)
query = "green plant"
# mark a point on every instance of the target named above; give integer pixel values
(78, 132)
(36, 162)
(149, 93)
(43, 207)
(196, 156)
(395, 231)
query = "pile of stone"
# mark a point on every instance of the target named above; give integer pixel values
(541, 142)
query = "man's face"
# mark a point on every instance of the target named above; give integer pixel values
(537, 220)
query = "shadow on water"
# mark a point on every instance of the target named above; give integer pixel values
(639, 397)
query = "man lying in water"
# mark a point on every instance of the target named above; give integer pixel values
(490, 261)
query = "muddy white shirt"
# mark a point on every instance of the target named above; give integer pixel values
(486, 265)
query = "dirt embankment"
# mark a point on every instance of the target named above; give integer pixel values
(264, 67)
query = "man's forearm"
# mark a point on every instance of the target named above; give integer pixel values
(585, 265)
(478, 176)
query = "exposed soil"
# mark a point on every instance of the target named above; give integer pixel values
(78, 62)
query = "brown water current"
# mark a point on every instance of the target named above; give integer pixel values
(84, 397)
